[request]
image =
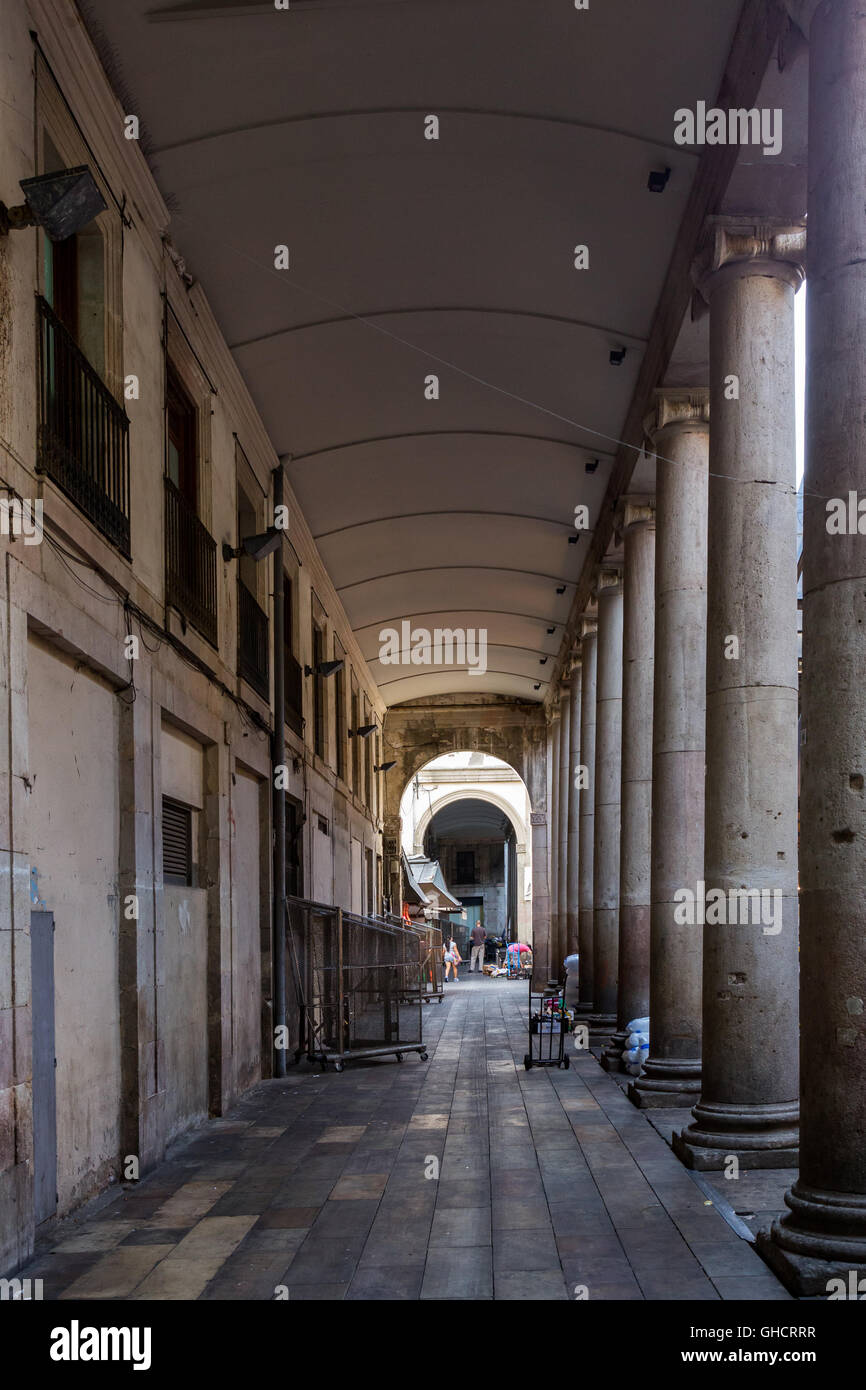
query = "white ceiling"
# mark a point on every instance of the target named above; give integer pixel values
(411, 257)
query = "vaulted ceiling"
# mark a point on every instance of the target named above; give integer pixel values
(412, 257)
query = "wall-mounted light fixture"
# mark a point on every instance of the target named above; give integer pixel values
(363, 731)
(591, 465)
(385, 767)
(617, 356)
(61, 203)
(560, 589)
(325, 668)
(658, 180)
(257, 547)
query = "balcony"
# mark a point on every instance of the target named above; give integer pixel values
(190, 564)
(83, 441)
(252, 642)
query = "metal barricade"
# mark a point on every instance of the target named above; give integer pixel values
(355, 983)
(431, 985)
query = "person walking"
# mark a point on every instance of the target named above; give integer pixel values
(478, 938)
(451, 957)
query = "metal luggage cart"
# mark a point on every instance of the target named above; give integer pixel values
(356, 983)
(548, 1026)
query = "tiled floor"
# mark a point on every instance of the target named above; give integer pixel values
(464, 1177)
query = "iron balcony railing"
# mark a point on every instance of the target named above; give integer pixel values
(83, 441)
(294, 695)
(190, 564)
(252, 641)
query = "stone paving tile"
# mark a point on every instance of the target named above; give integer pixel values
(525, 1250)
(540, 1286)
(461, 1226)
(386, 1282)
(116, 1275)
(458, 1274)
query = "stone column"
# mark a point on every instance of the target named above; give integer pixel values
(748, 1104)
(638, 630)
(585, 774)
(563, 809)
(679, 432)
(823, 1236)
(608, 762)
(553, 841)
(540, 899)
(572, 925)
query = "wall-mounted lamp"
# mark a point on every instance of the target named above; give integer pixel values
(542, 661)
(363, 731)
(617, 356)
(560, 589)
(325, 668)
(61, 203)
(591, 465)
(257, 547)
(572, 540)
(658, 180)
(550, 631)
(386, 767)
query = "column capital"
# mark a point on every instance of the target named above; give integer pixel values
(588, 628)
(608, 580)
(677, 407)
(634, 511)
(731, 247)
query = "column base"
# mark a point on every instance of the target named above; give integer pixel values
(758, 1136)
(611, 1058)
(821, 1239)
(667, 1084)
(601, 1027)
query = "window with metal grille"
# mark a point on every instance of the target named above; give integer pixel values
(176, 842)
(465, 866)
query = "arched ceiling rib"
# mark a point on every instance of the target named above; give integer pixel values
(452, 258)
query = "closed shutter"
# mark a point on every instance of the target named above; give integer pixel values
(176, 842)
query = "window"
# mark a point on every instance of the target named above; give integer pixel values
(318, 691)
(74, 277)
(293, 675)
(83, 439)
(369, 745)
(323, 825)
(182, 429)
(465, 866)
(340, 712)
(356, 742)
(294, 848)
(371, 882)
(190, 549)
(253, 664)
(176, 842)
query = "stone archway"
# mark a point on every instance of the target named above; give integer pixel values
(514, 731)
